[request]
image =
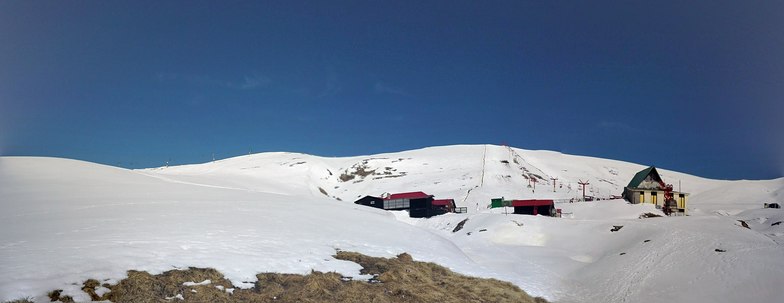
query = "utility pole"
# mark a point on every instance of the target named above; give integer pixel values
(583, 184)
(554, 179)
(534, 180)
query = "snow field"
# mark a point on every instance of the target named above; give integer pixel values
(65, 221)
(97, 222)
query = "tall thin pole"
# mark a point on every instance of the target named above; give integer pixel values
(554, 179)
(583, 184)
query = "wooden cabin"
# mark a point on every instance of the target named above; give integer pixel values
(647, 186)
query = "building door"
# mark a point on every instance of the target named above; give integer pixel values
(642, 197)
(654, 196)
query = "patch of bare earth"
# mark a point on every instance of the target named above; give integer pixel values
(399, 279)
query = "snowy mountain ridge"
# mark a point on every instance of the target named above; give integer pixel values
(470, 174)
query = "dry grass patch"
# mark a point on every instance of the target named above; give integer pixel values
(143, 287)
(399, 279)
(405, 280)
(55, 295)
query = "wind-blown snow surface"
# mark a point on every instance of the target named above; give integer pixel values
(65, 221)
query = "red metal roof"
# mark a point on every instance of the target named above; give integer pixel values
(411, 195)
(444, 202)
(532, 202)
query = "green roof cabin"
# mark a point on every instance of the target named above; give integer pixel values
(647, 186)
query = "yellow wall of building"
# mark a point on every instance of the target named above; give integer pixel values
(658, 199)
(646, 196)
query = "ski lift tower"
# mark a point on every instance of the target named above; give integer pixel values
(583, 184)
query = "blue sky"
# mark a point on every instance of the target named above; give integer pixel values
(694, 86)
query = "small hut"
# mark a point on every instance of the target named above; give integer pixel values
(534, 207)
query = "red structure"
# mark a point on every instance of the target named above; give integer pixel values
(446, 204)
(533, 207)
(669, 198)
(410, 195)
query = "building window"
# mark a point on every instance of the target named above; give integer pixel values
(396, 204)
(682, 201)
(654, 196)
(642, 197)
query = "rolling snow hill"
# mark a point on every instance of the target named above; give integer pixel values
(471, 174)
(65, 221)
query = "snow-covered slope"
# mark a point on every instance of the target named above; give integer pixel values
(647, 260)
(733, 197)
(64, 221)
(471, 174)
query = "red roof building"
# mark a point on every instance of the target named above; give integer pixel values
(448, 204)
(411, 195)
(532, 202)
(533, 207)
(444, 202)
(418, 204)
